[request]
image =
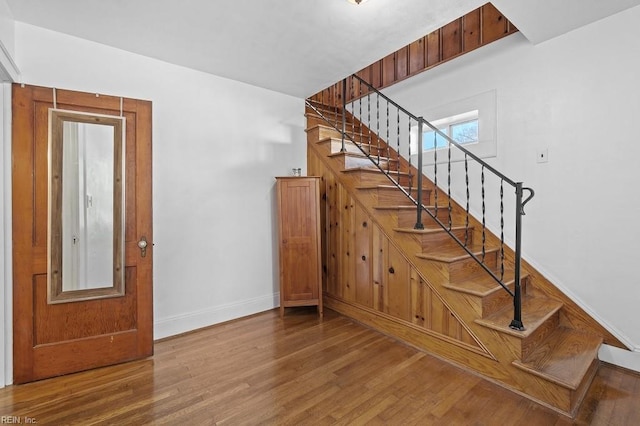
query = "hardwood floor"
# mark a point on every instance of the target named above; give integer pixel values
(299, 370)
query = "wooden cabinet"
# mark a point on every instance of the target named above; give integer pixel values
(299, 242)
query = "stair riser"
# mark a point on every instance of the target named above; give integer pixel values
(434, 241)
(313, 120)
(461, 269)
(335, 146)
(355, 162)
(530, 343)
(315, 134)
(522, 347)
(366, 138)
(408, 218)
(366, 177)
(395, 197)
(499, 299)
(578, 395)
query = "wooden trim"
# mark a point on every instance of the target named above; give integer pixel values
(477, 28)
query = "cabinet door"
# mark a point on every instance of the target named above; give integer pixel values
(299, 263)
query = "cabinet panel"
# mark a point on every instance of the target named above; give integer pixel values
(362, 252)
(299, 233)
(398, 292)
(379, 266)
(333, 236)
(347, 264)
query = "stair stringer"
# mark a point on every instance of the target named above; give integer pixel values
(498, 366)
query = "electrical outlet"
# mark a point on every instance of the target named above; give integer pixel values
(543, 155)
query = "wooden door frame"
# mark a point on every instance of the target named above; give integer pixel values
(21, 241)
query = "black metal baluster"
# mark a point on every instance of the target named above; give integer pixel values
(435, 170)
(466, 178)
(387, 139)
(369, 118)
(502, 230)
(378, 125)
(335, 103)
(449, 184)
(353, 115)
(398, 147)
(484, 221)
(409, 148)
(344, 113)
(360, 114)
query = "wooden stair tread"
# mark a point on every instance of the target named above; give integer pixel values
(389, 187)
(535, 311)
(376, 170)
(429, 229)
(361, 155)
(564, 357)
(339, 140)
(482, 285)
(455, 253)
(401, 207)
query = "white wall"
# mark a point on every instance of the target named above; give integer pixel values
(8, 68)
(579, 96)
(217, 145)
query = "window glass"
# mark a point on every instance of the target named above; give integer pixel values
(428, 139)
(465, 132)
(462, 128)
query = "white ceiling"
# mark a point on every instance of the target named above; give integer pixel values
(295, 47)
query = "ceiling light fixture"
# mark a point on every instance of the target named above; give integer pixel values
(357, 1)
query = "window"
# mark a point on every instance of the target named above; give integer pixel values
(471, 122)
(462, 128)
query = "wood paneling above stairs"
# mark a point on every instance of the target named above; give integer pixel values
(420, 287)
(477, 28)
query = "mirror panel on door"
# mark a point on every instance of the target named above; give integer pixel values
(86, 206)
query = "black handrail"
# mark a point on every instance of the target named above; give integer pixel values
(519, 189)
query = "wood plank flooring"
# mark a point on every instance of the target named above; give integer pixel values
(299, 371)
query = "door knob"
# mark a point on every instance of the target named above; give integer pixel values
(142, 244)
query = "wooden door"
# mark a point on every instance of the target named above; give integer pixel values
(55, 339)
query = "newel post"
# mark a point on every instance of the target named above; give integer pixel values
(517, 324)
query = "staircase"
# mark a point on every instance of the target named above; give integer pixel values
(420, 286)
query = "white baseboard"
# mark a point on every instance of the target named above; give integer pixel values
(189, 321)
(620, 357)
